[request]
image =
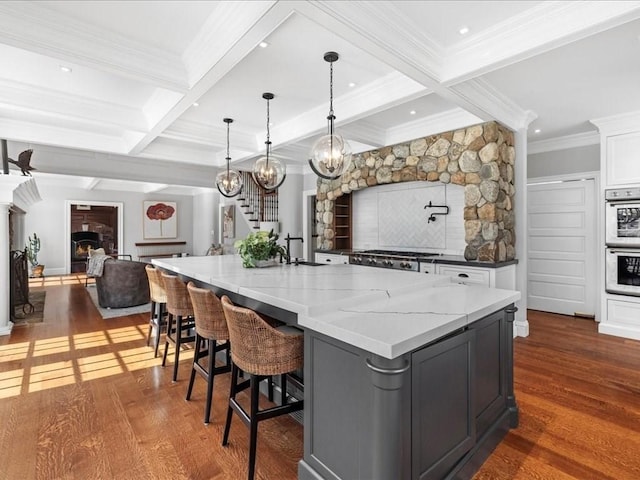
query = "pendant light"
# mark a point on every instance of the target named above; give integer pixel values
(269, 172)
(331, 153)
(229, 182)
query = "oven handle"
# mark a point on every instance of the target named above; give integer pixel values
(635, 251)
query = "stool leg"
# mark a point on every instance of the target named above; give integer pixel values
(151, 316)
(178, 342)
(232, 395)
(253, 424)
(161, 313)
(166, 341)
(196, 356)
(283, 389)
(210, 377)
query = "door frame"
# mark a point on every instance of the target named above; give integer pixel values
(93, 203)
(598, 225)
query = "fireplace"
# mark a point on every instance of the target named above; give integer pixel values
(81, 243)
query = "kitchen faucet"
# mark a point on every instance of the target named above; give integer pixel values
(288, 239)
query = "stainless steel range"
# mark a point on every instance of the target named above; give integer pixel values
(392, 259)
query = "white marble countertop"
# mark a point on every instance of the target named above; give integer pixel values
(386, 312)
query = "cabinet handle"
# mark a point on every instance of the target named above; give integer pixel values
(328, 260)
(463, 275)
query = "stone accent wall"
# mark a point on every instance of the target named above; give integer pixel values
(480, 157)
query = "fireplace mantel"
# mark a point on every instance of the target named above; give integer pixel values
(17, 192)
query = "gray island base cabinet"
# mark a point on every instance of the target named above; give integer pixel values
(406, 376)
(434, 413)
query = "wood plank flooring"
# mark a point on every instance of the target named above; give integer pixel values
(83, 398)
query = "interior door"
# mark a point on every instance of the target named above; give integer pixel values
(562, 247)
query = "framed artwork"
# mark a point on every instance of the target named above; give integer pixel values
(160, 220)
(228, 220)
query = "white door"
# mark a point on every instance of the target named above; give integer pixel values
(562, 247)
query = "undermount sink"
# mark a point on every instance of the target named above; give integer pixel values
(310, 264)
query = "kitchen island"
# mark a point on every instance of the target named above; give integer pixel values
(406, 376)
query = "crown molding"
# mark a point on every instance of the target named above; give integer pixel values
(442, 122)
(228, 23)
(18, 190)
(365, 132)
(617, 124)
(544, 26)
(53, 34)
(563, 143)
(381, 30)
(383, 93)
(62, 106)
(488, 103)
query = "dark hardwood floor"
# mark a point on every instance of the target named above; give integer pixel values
(83, 398)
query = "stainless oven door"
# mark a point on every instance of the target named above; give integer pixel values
(622, 226)
(622, 271)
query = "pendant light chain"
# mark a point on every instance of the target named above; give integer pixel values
(331, 116)
(228, 157)
(268, 142)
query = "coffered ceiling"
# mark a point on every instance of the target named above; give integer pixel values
(125, 109)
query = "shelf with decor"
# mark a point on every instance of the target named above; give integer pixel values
(342, 226)
(150, 250)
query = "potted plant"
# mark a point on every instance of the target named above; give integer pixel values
(31, 251)
(259, 249)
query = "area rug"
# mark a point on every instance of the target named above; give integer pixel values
(37, 300)
(115, 312)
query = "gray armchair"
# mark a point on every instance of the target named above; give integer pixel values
(123, 284)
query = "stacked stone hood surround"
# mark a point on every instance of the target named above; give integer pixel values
(480, 157)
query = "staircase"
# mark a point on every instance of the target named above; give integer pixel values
(255, 204)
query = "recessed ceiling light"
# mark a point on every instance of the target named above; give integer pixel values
(463, 30)
(412, 112)
(65, 69)
(263, 44)
(351, 84)
(196, 104)
(537, 130)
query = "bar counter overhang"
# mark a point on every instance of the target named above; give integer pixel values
(406, 375)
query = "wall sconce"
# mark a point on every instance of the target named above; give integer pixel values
(331, 153)
(269, 172)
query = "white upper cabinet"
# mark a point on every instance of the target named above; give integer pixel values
(623, 159)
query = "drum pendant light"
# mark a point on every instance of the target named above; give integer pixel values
(229, 182)
(269, 172)
(331, 153)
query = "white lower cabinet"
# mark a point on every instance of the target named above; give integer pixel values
(332, 258)
(622, 319)
(500, 277)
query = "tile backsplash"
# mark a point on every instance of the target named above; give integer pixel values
(393, 217)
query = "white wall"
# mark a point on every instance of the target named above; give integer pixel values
(290, 212)
(47, 218)
(564, 162)
(204, 221)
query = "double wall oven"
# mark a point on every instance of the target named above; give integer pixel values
(622, 237)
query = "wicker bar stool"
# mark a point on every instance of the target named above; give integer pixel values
(157, 320)
(181, 312)
(211, 328)
(261, 351)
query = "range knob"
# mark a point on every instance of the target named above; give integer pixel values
(372, 261)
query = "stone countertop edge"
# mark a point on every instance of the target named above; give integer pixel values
(387, 320)
(411, 328)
